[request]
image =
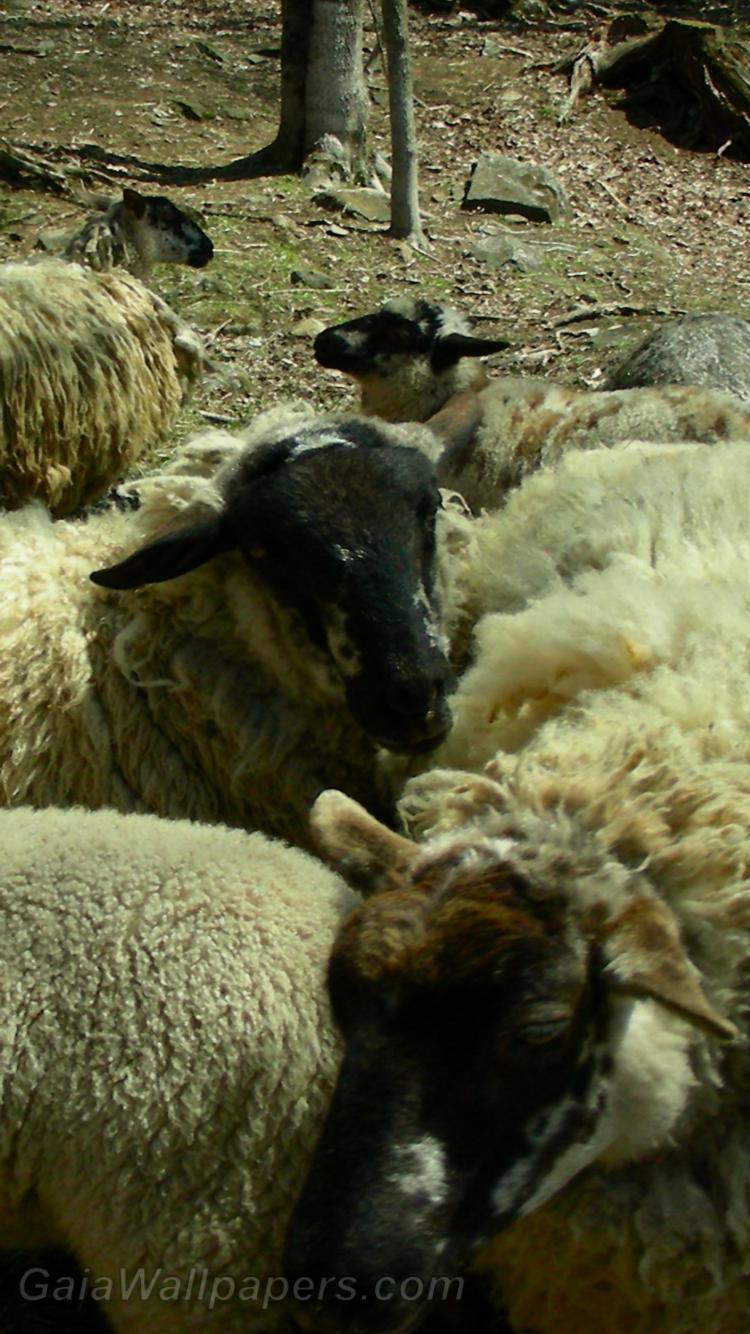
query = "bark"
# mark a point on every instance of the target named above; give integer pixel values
(336, 97)
(405, 219)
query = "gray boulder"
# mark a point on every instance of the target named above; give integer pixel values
(712, 350)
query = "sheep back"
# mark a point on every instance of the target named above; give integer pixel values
(527, 425)
(167, 1049)
(93, 368)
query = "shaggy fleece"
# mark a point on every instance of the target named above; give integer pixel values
(611, 699)
(93, 368)
(167, 1053)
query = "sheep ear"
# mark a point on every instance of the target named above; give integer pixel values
(356, 844)
(454, 346)
(169, 556)
(644, 957)
(134, 203)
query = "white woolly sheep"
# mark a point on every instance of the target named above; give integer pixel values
(309, 635)
(547, 1007)
(167, 1055)
(93, 368)
(408, 362)
(135, 233)
(712, 350)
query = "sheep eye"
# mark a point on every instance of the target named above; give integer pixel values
(540, 1031)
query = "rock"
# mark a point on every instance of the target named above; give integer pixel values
(502, 251)
(502, 184)
(373, 205)
(308, 328)
(309, 278)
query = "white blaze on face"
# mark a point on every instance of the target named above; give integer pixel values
(420, 1171)
(318, 439)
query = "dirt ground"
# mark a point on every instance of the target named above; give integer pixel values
(653, 227)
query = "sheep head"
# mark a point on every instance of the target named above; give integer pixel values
(337, 524)
(512, 1013)
(404, 355)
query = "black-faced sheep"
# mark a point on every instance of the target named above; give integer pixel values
(136, 232)
(546, 1007)
(166, 1055)
(305, 632)
(711, 350)
(521, 424)
(93, 368)
(408, 357)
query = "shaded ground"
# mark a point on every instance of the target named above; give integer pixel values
(652, 225)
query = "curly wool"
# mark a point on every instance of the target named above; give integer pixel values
(527, 425)
(610, 698)
(201, 697)
(93, 368)
(167, 1053)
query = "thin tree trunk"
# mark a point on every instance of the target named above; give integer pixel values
(405, 219)
(336, 96)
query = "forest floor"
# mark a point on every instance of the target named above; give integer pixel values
(654, 227)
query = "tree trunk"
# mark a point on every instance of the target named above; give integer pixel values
(405, 219)
(296, 21)
(336, 97)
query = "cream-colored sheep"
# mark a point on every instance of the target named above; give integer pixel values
(269, 615)
(166, 1054)
(93, 368)
(549, 1003)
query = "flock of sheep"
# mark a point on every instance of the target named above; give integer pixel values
(495, 635)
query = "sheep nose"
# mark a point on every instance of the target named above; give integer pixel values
(415, 697)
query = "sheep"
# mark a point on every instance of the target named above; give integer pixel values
(167, 1056)
(519, 424)
(408, 357)
(712, 350)
(546, 1006)
(304, 634)
(93, 368)
(135, 233)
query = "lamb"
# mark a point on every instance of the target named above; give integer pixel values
(712, 350)
(518, 425)
(546, 1004)
(93, 368)
(135, 233)
(264, 620)
(167, 1056)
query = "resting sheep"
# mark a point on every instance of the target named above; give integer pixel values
(93, 368)
(408, 357)
(546, 1007)
(711, 350)
(136, 232)
(166, 1057)
(268, 616)
(519, 425)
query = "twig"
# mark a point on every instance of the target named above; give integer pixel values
(620, 202)
(595, 312)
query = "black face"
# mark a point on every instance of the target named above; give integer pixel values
(362, 346)
(340, 526)
(345, 536)
(452, 1065)
(188, 236)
